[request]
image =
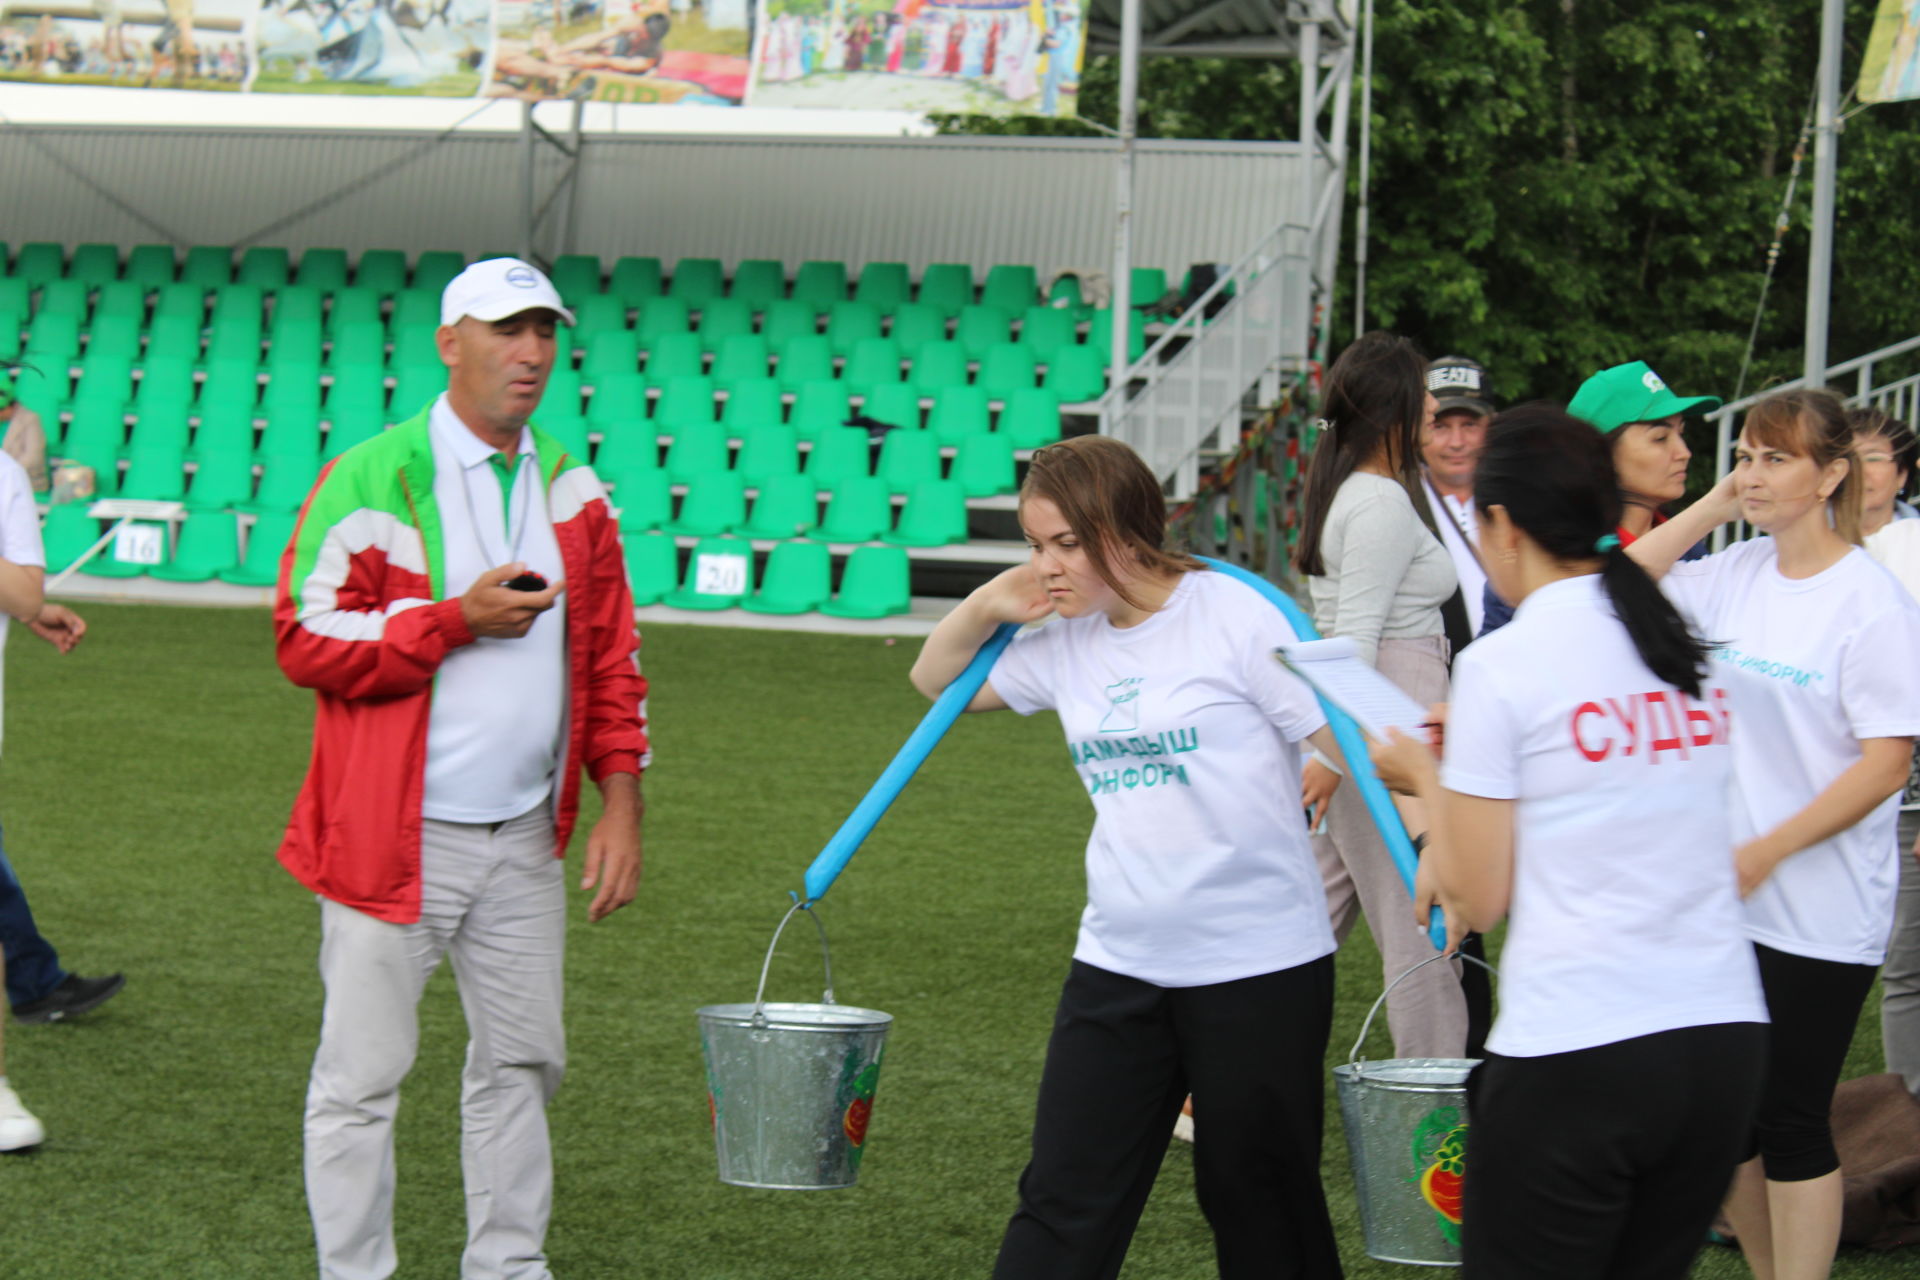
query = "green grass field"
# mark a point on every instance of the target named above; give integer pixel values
(145, 782)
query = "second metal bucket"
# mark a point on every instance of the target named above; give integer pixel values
(790, 1087)
(1406, 1123)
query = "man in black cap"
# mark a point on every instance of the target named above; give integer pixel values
(1449, 448)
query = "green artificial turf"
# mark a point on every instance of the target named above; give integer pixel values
(145, 782)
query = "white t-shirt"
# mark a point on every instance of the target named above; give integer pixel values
(494, 734)
(1625, 916)
(19, 536)
(1184, 732)
(1459, 524)
(1814, 665)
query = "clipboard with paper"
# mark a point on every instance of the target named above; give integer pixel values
(1334, 670)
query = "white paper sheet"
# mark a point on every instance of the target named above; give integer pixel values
(1335, 670)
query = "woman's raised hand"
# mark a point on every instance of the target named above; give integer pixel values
(1014, 596)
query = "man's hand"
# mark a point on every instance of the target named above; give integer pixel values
(613, 847)
(59, 626)
(493, 609)
(1317, 785)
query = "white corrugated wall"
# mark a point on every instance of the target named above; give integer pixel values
(1048, 202)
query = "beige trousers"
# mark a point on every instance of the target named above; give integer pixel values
(1427, 1013)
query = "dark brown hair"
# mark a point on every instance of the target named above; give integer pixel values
(1376, 393)
(1871, 421)
(1813, 424)
(1113, 504)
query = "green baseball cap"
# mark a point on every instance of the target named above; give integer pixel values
(1626, 393)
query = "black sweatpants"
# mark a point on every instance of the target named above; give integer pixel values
(1814, 1006)
(1123, 1055)
(1606, 1163)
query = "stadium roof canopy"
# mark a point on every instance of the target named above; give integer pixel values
(1212, 28)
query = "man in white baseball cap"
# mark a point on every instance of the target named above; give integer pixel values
(452, 727)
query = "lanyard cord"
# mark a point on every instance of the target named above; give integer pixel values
(515, 539)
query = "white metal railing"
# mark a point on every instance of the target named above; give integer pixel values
(1899, 396)
(1194, 378)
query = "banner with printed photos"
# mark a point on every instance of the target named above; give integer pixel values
(1890, 72)
(637, 51)
(987, 57)
(134, 44)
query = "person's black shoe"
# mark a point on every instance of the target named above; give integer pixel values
(74, 995)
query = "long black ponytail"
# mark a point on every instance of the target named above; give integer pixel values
(1554, 476)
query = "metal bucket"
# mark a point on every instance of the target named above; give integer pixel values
(790, 1086)
(1406, 1123)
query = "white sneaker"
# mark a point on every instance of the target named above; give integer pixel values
(18, 1128)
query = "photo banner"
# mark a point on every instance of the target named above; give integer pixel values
(1890, 72)
(985, 57)
(686, 51)
(415, 49)
(130, 44)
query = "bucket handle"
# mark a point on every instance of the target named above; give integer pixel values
(1353, 1054)
(826, 958)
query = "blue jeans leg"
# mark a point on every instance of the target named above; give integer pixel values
(33, 969)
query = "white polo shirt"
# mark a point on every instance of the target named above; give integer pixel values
(1185, 734)
(1625, 920)
(19, 537)
(496, 733)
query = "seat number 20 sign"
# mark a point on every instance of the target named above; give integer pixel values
(720, 575)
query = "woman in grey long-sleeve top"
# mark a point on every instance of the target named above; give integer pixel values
(1378, 576)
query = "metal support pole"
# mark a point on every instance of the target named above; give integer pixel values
(570, 211)
(1307, 189)
(1826, 137)
(1120, 298)
(1366, 172)
(526, 182)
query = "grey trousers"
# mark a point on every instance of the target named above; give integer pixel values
(1900, 977)
(1427, 1013)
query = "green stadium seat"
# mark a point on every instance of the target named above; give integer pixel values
(1006, 367)
(758, 282)
(231, 381)
(610, 351)
(297, 304)
(349, 429)
(896, 404)
(1149, 286)
(907, 458)
(220, 481)
(634, 280)
(414, 344)
(209, 545)
(16, 296)
(576, 276)
(117, 336)
(787, 319)
(938, 366)
(959, 412)
(947, 287)
(562, 397)
(1030, 418)
(1064, 293)
(983, 466)
(981, 327)
(598, 314)
(322, 270)
(39, 263)
(1011, 288)
(674, 355)
(820, 284)
(798, 579)
(224, 431)
(873, 362)
(355, 304)
(1101, 336)
(644, 496)
(240, 301)
(292, 384)
(155, 475)
(151, 266)
(1076, 374)
(618, 400)
(653, 566)
(164, 384)
(786, 506)
(860, 510)
(819, 407)
(697, 281)
(714, 503)
(234, 340)
(96, 435)
(807, 358)
(935, 515)
(416, 307)
(297, 342)
(916, 324)
(358, 346)
(695, 454)
(627, 447)
(260, 566)
(63, 297)
(12, 325)
(838, 455)
(173, 338)
(105, 380)
(208, 266)
(662, 316)
(752, 402)
(68, 533)
(724, 318)
(767, 449)
(94, 264)
(875, 584)
(263, 266)
(381, 271)
(284, 483)
(851, 323)
(885, 285)
(1044, 330)
(121, 298)
(435, 269)
(740, 358)
(415, 387)
(572, 434)
(685, 404)
(719, 573)
(292, 431)
(182, 302)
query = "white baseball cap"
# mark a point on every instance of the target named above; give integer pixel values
(497, 288)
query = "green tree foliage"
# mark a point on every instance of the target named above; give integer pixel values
(1560, 185)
